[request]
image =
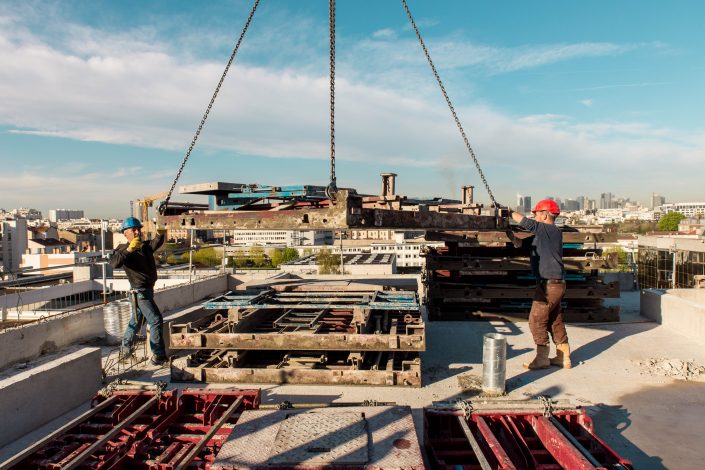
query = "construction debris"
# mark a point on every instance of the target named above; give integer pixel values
(673, 368)
(326, 336)
(488, 274)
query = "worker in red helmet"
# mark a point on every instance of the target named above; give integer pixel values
(547, 265)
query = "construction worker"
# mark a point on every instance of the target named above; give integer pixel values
(547, 265)
(137, 259)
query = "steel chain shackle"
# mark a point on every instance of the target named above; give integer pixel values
(450, 105)
(332, 188)
(163, 205)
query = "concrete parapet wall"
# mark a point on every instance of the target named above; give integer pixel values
(27, 342)
(32, 397)
(682, 310)
(626, 280)
(179, 296)
(15, 301)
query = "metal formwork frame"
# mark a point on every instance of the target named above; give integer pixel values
(143, 429)
(512, 436)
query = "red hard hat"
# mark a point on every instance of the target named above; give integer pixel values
(547, 205)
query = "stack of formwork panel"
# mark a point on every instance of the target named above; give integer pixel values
(488, 274)
(304, 335)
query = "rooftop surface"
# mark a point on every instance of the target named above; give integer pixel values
(653, 419)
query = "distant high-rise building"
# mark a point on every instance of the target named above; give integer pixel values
(55, 215)
(13, 243)
(571, 205)
(657, 200)
(582, 203)
(606, 201)
(523, 203)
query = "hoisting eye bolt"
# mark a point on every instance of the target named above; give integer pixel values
(331, 191)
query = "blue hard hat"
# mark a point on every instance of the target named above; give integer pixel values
(130, 222)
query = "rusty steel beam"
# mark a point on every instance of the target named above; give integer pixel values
(469, 264)
(223, 366)
(334, 330)
(298, 341)
(348, 212)
(497, 236)
(466, 293)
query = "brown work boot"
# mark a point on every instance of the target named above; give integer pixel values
(541, 360)
(562, 358)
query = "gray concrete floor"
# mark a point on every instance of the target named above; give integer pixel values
(655, 421)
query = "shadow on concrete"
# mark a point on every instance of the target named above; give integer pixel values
(443, 359)
(667, 420)
(582, 353)
(270, 397)
(617, 333)
(610, 423)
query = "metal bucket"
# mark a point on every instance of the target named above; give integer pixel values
(116, 315)
(494, 363)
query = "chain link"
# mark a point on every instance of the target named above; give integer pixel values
(450, 105)
(332, 186)
(163, 205)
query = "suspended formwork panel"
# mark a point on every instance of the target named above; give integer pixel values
(281, 210)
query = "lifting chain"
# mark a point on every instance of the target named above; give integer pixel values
(450, 105)
(163, 205)
(332, 186)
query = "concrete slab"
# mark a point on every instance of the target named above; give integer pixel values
(624, 398)
(34, 394)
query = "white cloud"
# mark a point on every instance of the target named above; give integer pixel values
(129, 89)
(586, 102)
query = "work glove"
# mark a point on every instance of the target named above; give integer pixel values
(134, 245)
(160, 230)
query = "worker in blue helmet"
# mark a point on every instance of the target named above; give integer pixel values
(137, 259)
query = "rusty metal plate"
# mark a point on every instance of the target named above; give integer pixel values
(390, 438)
(321, 438)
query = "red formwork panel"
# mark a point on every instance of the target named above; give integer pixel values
(515, 440)
(144, 430)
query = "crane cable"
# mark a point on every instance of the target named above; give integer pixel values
(450, 105)
(163, 205)
(332, 188)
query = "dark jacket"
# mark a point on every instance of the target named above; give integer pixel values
(140, 267)
(546, 249)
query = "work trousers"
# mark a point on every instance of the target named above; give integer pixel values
(146, 310)
(545, 317)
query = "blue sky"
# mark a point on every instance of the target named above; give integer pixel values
(99, 100)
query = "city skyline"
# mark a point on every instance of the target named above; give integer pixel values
(102, 100)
